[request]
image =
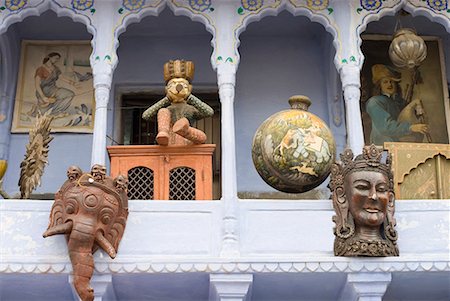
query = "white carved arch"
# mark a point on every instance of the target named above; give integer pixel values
(43, 6)
(429, 14)
(198, 17)
(391, 11)
(178, 10)
(40, 8)
(295, 11)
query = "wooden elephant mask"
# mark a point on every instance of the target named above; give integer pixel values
(91, 209)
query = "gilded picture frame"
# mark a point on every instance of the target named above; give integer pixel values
(55, 78)
(431, 88)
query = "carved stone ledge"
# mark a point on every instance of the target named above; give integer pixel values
(102, 285)
(365, 286)
(327, 265)
(230, 287)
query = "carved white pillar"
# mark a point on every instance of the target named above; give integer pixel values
(351, 84)
(102, 285)
(226, 75)
(102, 83)
(8, 71)
(230, 287)
(365, 286)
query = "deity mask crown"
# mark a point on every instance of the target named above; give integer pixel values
(179, 68)
(370, 160)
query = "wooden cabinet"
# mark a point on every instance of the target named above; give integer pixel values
(165, 172)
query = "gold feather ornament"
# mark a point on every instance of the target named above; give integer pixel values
(32, 167)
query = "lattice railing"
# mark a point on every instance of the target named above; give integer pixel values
(140, 183)
(182, 184)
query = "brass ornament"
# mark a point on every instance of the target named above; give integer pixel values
(407, 49)
(32, 167)
(364, 203)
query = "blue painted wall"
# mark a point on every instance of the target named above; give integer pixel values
(65, 149)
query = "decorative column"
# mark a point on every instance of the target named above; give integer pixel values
(230, 287)
(226, 75)
(8, 70)
(365, 286)
(350, 77)
(102, 285)
(102, 72)
(103, 61)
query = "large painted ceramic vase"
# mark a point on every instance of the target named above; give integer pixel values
(293, 150)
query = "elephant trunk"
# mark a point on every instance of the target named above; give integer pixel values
(80, 244)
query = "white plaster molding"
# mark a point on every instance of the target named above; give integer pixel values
(230, 287)
(103, 73)
(350, 77)
(329, 264)
(365, 286)
(102, 285)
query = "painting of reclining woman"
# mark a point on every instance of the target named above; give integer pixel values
(55, 78)
(403, 105)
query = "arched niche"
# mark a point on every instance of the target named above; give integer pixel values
(435, 70)
(138, 80)
(281, 56)
(313, 10)
(66, 148)
(154, 9)
(422, 10)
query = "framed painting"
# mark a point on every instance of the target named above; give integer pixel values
(55, 78)
(401, 105)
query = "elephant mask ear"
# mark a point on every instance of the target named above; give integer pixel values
(115, 234)
(63, 206)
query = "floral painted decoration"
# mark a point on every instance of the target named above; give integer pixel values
(252, 5)
(133, 4)
(438, 4)
(14, 5)
(82, 4)
(317, 4)
(200, 5)
(371, 4)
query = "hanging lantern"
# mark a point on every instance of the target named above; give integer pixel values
(407, 49)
